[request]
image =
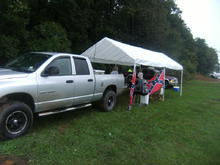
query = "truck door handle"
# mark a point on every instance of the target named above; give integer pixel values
(90, 80)
(69, 81)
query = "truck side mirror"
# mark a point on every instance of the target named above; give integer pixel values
(51, 71)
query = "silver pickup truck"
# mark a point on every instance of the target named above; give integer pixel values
(48, 83)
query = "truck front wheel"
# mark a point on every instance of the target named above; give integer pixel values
(109, 100)
(15, 120)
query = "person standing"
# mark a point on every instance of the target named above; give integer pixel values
(115, 70)
(140, 74)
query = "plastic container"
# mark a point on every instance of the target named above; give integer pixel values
(144, 99)
(176, 88)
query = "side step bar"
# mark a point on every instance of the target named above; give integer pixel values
(64, 110)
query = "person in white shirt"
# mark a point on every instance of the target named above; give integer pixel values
(115, 70)
(140, 74)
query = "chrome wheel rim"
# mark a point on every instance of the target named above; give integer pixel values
(16, 122)
(110, 101)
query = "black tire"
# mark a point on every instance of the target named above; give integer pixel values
(108, 101)
(15, 120)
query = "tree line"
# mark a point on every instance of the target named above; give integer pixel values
(75, 25)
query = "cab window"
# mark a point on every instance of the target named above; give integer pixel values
(81, 66)
(63, 64)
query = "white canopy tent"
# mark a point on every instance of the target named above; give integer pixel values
(109, 51)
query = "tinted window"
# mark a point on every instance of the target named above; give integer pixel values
(81, 66)
(63, 64)
(28, 62)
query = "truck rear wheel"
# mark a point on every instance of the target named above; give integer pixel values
(15, 120)
(108, 100)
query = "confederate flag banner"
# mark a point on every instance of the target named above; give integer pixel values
(133, 80)
(156, 83)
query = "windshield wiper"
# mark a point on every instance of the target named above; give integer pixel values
(2, 66)
(5, 67)
(20, 70)
(15, 69)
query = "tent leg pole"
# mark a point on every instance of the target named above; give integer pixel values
(164, 83)
(134, 68)
(181, 84)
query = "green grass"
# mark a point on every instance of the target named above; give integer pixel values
(181, 130)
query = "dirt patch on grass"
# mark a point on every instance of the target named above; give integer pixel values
(62, 128)
(12, 160)
(205, 78)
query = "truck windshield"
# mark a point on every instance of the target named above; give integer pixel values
(28, 62)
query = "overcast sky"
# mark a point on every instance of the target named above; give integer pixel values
(203, 18)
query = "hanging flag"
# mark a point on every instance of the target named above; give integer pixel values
(133, 80)
(156, 83)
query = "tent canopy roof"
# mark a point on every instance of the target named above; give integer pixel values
(109, 51)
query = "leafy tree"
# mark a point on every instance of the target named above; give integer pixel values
(207, 57)
(14, 16)
(73, 15)
(49, 36)
(9, 47)
(65, 25)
